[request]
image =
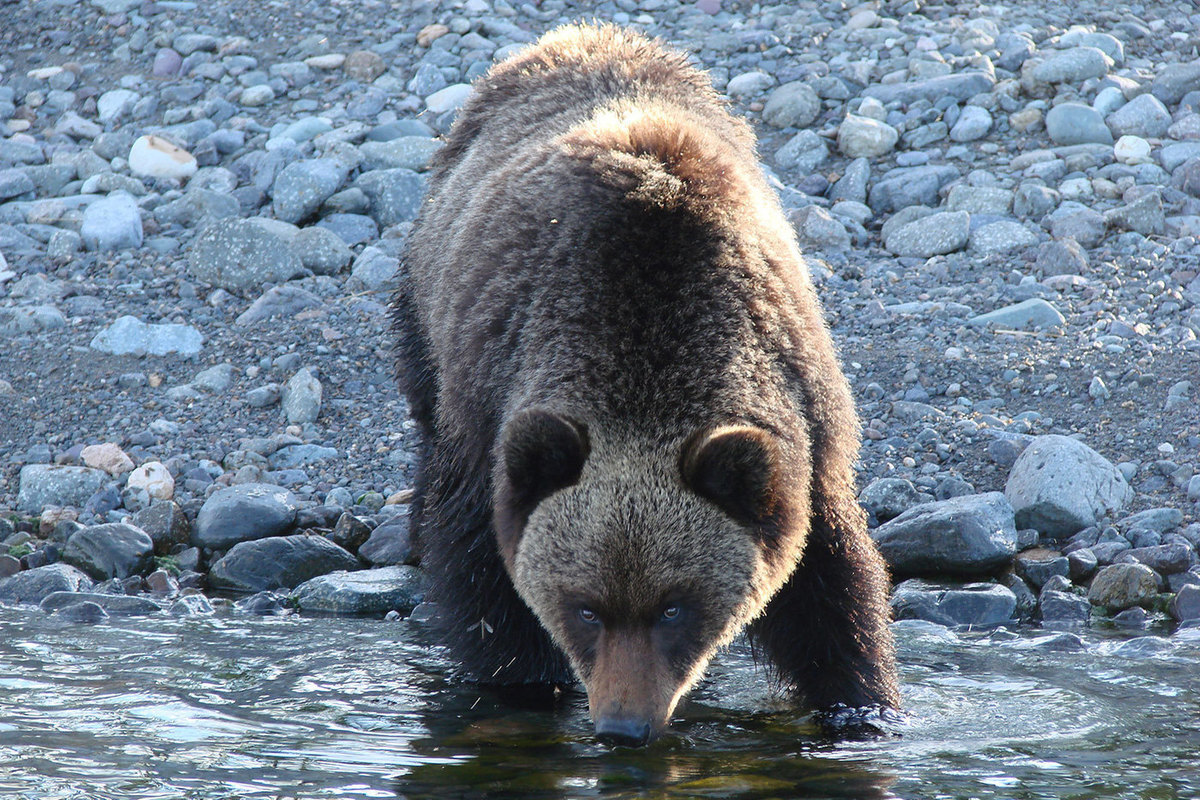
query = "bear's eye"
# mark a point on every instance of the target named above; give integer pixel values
(670, 613)
(588, 616)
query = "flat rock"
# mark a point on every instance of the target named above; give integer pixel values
(278, 562)
(974, 604)
(1025, 315)
(407, 152)
(1165, 559)
(1122, 586)
(240, 255)
(371, 591)
(970, 534)
(130, 336)
(960, 86)
(1073, 65)
(115, 605)
(34, 585)
(932, 235)
(242, 513)
(44, 485)
(279, 301)
(1059, 485)
(112, 550)
(1002, 236)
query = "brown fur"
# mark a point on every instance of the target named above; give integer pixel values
(628, 396)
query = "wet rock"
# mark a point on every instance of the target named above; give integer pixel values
(278, 562)
(792, 105)
(1063, 609)
(972, 534)
(166, 524)
(1039, 565)
(1185, 605)
(390, 543)
(1075, 123)
(84, 613)
(112, 550)
(371, 591)
(1081, 563)
(1059, 486)
(1027, 315)
(1120, 586)
(263, 604)
(44, 485)
(112, 223)
(33, 585)
(128, 335)
(887, 498)
(972, 604)
(239, 255)
(192, 605)
(244, 512)
(115, 605)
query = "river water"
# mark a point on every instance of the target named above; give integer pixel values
(235, 706)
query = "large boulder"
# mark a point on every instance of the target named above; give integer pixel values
(244, 512)
(44, 485)
(34, 585)
(240, 255)
(370, 591)
(967, 535)
(113, 550)
(1059, 485)
(280, 562)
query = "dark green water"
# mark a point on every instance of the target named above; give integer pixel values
(245, 707)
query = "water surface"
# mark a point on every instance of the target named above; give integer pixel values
(235, 706)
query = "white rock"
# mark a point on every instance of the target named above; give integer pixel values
(863, 137)
(154, 478)
(1132, 150)
(130, 336)
(158, 158)
(749, 83)
(113, 105)
(326, 61)
(112, 223)
(448, 99)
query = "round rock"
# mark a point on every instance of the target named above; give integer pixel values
(793, 105)
(1122, 586)
(155, 157)
(112, 223)
(1075, 123)
(1059, 486)
(863, 137)
(242, 513)
(113, 550)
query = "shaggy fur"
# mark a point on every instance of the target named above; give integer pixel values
(626, 392)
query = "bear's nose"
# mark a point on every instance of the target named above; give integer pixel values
(625, 731)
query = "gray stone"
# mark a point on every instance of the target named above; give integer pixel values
(390, 543)
(191, 605)
(1185, 605)
(1073, 65)
(817, 230)
(302, 186)
(1025, 315)
(1063, 257)
(1086, 226)
(792, 105)
(960, 86)
(973, 123)
(1064, 609)
(1060, 485)
(1175, 80)
(34, 585)
(1165, 559)
(1144, 116)
(198, 207)
(1082, 563)
(43, 485)
(408, 152)
(30, 319)
(278, 562)
(910, 186)
(395, 194)
(244, 512)
(1075, 123)
(14, 183)
(978, 605)
(1039, 565)
(301, 398)
(932, 235)
(113, 223)
(1002, 236)
(1144, 215)
(749, 83)
(1161, 519)
(1122, 586)
(1172, 156)
(374, 270)
(130, 336)
(370, 591)
(239, 255)
(864, 137)
(279, 301)
(979, 199)
(113, 550)
(888, 498)
(972, 534)
(301, 455)
(263, 396)
(853, 183)
(116, 605)
(322, 251)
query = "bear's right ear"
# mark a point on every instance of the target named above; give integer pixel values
(543, 452)
(735, 467)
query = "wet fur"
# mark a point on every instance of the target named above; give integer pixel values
(597, 238)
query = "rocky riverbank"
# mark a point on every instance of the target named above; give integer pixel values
(202, 209)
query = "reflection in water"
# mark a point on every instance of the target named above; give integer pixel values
(239, 707)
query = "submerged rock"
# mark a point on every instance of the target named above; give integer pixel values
(33, 585)
(372, 591)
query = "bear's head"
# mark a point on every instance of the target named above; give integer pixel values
(643, 557)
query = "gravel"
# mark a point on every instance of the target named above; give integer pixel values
(197, 187)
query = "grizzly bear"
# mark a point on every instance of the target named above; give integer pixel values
(637, 440)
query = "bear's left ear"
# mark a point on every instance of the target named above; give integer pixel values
(542, 453)
(735, 467)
